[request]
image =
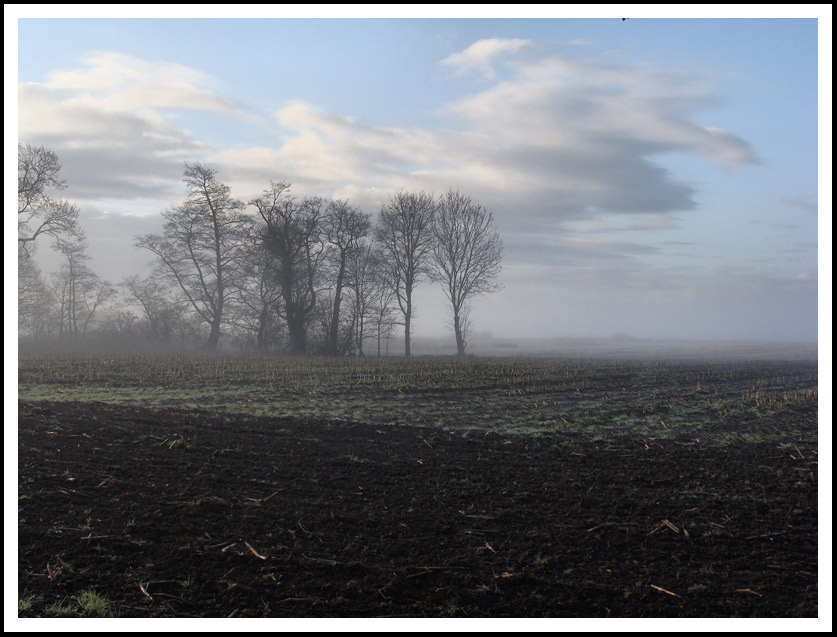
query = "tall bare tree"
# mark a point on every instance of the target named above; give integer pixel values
(468, 252)
(38, 211)
(200, 249)
(405, 234)
(293, 233)
(345, 228)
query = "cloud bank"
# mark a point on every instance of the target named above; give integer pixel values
(568, 137)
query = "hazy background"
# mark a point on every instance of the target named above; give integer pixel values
(655, 178)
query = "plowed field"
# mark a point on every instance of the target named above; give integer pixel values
(202, 513)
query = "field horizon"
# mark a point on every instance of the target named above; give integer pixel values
(485, 344)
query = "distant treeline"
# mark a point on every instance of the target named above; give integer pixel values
(277, 274)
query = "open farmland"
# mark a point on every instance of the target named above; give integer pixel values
(270, 487)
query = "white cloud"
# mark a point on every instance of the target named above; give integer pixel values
(113, 81)
(585, 107)
(481, 55)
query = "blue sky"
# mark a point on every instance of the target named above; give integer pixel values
(654, 177)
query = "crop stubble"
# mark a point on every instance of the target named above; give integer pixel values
(524, 488)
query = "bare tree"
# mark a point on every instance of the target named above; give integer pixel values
(34, 299)
(293, 233)
(78, 291)
(320, 324)
(64, 284)
(38, 212)
(345, 228)
(200, 249)
(405, 233)
(150, 297)
(468, 252)
(361, 278)
(257, 307)
(373, 296)
(162, 318)
(383, 308)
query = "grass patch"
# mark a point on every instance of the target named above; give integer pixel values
(25, 604)
(61, 609)
(597, 400)
(93, 604)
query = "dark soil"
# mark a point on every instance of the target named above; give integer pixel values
(170, 514)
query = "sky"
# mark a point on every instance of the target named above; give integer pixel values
(657, 177)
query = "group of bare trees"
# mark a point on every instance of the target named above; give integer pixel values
(451, 240)
(279, 273)
(66, 302)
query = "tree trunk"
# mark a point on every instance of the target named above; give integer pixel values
(261, 332)
(407, 308)
(460, 338)
(214, 336)
(359, 326)
(296, 335)
(407, 332)
(334, 326)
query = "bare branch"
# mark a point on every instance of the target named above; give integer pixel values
(38, 212)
